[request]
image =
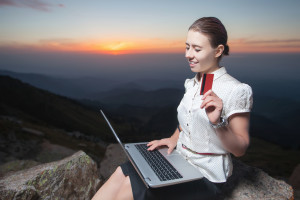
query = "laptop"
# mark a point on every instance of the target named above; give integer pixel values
(156, 168)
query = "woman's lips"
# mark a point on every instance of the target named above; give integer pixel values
(192, 64)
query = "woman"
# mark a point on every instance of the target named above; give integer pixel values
(211, 126)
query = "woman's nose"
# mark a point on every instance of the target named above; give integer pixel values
(188, 54)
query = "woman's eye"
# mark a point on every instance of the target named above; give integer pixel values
(197, 50)
(187, 48)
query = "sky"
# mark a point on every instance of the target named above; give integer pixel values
(135, 27)
(139, 40)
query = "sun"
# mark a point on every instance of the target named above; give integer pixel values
(116, 47)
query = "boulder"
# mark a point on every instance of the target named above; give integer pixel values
(246, 182)
(114, 156)
(294, 180)
(74, 177)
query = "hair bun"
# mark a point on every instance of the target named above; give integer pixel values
(226, 50)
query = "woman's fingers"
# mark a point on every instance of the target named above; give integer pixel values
(151, 143)
(156, 143)
(211, 103)
(171, 148)
(209, 99)
(208, 93)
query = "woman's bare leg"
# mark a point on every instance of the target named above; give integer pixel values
(111, 187)
(125, 192)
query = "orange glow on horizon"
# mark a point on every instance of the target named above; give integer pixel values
(144, 46)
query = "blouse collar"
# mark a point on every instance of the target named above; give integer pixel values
(217, 73)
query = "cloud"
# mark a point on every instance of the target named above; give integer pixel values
(265, 45)
(266, 42)
(7, 3)
(33, 4)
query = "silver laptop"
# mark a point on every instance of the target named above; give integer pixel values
(157, 168)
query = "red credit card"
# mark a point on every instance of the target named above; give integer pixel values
(206, 84)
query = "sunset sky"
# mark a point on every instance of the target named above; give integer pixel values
(118, 27)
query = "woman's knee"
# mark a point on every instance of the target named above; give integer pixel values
(118, 174)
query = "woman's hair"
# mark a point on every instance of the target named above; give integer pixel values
(214, 29)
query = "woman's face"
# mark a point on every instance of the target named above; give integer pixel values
(199, 53)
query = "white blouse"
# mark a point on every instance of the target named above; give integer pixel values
(198, 135)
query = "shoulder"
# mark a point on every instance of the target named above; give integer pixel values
(188, 83)
(232, 85)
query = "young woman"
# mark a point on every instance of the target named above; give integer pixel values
(211, 126)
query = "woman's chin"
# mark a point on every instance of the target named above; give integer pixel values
(194, 69)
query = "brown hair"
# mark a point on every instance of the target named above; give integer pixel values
(214, 29)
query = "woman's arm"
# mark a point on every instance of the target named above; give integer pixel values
(234, 137)
(171, 142)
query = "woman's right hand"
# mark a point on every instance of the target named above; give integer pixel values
(170, 142)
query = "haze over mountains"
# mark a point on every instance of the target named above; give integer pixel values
(151, 108)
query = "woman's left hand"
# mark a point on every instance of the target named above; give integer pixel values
(213, 106)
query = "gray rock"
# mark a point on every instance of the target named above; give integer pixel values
(114, 156)
(249, 182)
(294, 180)
(246, 182)
(74, 177)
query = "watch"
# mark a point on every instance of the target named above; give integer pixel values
(223, 122)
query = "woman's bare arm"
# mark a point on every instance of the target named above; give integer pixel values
(235, 137)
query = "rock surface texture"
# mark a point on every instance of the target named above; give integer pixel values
(295, 181)
(246, 182)
(74, 177)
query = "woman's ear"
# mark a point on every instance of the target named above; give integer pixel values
(219, 50)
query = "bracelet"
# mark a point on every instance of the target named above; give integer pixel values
(223, 122)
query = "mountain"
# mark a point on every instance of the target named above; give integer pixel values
(89, 87)
(24, 101)
(154, 98)
(71, 87)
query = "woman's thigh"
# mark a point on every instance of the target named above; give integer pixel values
(111, 187)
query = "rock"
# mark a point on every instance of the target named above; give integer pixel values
(294, 180)
(32, 131)
(246, 182)
(16, 165)
(114, 156)
(52, 152)
(74, 177)
(249, 182)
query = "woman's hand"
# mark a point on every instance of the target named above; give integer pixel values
(213, 106)
(170, 142)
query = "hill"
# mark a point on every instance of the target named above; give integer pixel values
(26, 102)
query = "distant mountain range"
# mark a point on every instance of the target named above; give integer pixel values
(145, 113)
(89, 87)
(26, 102)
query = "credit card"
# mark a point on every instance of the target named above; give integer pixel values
(206, 84)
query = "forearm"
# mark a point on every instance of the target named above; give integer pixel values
(234, 143)
(176, 133)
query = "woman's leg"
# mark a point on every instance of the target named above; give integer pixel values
(111, 187)
(125, 192)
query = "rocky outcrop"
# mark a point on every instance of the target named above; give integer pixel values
(295, 181)
(74, 177)
(114, 156)
(246, 182)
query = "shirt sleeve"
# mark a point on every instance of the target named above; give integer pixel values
(187, 84)
(240, 100)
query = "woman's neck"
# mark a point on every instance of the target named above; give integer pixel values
(199, 74)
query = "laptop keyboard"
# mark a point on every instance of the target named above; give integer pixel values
(160, 165)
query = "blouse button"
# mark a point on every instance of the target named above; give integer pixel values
(187, 124)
